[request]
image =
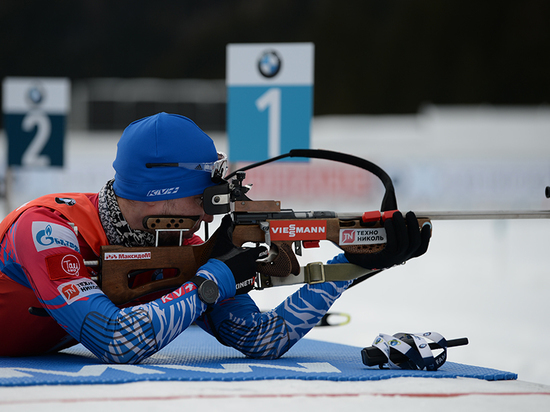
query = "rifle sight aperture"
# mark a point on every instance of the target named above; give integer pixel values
(217, 199)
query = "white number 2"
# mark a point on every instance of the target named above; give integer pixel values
(271, 100)
(43, 124)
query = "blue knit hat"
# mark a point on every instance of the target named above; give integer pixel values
(149, 153)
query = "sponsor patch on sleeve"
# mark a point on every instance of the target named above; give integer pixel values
(48, 235)
(65, 265)
(77, 289)
(182, 290)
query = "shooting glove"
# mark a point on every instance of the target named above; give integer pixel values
(241, 261)
(405, 240)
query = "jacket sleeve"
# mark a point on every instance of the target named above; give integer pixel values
(48, 260)
(237, 322)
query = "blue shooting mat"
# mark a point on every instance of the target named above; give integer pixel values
(196, 356)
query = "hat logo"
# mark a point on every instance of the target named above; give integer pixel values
(161, 192)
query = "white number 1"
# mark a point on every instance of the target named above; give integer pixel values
(271, 100)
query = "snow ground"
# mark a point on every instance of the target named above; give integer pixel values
(485, 280)
(412, 394)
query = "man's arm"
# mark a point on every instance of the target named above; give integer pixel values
(238, 322)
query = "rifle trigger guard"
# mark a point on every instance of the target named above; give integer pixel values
(298, 248)
(264, 226)
(281, 261)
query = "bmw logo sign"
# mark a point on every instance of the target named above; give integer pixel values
(35, 94)
(269, 64)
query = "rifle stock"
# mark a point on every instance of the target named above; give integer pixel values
(281, 230)
(119, 263)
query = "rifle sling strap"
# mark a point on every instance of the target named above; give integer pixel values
(317, 272)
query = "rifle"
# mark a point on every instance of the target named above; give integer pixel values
(285, 231)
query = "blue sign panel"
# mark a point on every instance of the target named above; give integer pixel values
(267, 121)
(270, 99)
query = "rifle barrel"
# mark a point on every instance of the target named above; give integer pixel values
(486, 215)
(470, 215)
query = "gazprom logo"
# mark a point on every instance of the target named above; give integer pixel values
(47, 235)
(44, 237)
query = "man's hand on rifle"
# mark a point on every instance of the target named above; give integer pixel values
(241, 261)
(405, 240)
